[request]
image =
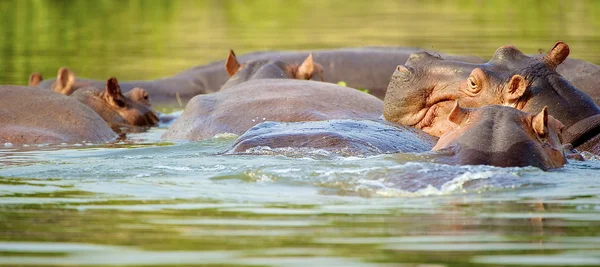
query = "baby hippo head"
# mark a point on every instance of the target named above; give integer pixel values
(134, 109)
(505, 137)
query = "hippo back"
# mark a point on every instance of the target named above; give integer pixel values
(338, 137)
(239, 108)
(32, 116)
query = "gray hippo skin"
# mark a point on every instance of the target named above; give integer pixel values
(240, 107)
(368, 67)
(339, 137)
(33, 116)
(417, 97)
(504, 137)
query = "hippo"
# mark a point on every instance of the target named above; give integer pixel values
(347, 137)
(503, 136)
(240, 107)
(131, 108)
(421, 92)
(367, 67)
(115, 108)
(33, 116)
(583, 75)
(270, 69)
(492, 135)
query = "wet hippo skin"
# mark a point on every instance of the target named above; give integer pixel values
(340, 137)
(368, 67)
(33, 116)
(239, 108)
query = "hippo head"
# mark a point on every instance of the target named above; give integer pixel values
(133, 112)
(504, 136)
(421, 92)
(269, 69)
(35, 78)
(139, 95)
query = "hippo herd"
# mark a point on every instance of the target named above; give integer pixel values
(513, 110)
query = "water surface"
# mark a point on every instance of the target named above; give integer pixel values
(143, 202)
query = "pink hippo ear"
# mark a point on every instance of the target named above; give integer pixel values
(540, 123)
(458, 115)
(232, 66)
(113, 92)
(65, 80)
(35, 78)
(557, 55)
(306, 69)
(515, 89)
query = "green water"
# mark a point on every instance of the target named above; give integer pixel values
(148, 203)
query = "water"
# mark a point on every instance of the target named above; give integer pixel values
(143, 202)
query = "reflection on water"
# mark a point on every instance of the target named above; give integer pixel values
(140, 202)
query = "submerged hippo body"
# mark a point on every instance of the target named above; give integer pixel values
(492, 135)
(503, 136)
(422, 92)
(33, 116)
(368, 67)
(340, 137)
(239, 108)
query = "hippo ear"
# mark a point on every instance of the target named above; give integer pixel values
(557, 55)
(458, 115)
(540, 123)
(231, 64)
(35, 78)
(113, 91)
(516, 88)
(65, 80)
(306, 69)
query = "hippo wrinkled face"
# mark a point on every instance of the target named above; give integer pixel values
(504, 136)
(134, 111)
(421, 92)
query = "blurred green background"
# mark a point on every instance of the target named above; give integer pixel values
(146, 39)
